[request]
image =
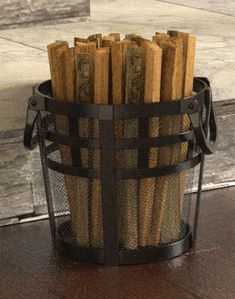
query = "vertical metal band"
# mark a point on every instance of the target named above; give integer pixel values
(46, 180)
(109, 196)
(198, 201)
(75, 149)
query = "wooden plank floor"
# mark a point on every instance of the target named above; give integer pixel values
(30, 268)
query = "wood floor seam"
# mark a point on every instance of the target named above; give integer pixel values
(174, 284)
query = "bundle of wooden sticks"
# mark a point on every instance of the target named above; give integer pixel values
(108, 70)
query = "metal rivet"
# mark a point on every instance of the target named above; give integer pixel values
(34, 103)
(191, 106)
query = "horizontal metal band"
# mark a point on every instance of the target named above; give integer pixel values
(120, 173)
(104, 112)
(158, 253)
(159, 141)
(133, 143)
(71, 170)
(158, 171)
(126, 257)
(72, 141)
(83, 253)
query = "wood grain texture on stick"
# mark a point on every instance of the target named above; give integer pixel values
(152, 81)
(138, 39)
(118, 84)
(89, 128)
(97, 38)
(82, 70)
(108, 40)
(84, 124)
(54, 67)
(161, 37)
(78, 184)
(134, 95)
(116, 36)
(118, 60)
(89, 48)
(189, 49)
(101, 76)
(101, 91)
(69, 62)
(117, 73)
(80, 40)
(61, 60)
(171, 226)
(171, 88)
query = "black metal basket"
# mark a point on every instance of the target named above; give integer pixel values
(118, 184)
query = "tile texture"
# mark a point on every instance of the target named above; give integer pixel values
(21, 12)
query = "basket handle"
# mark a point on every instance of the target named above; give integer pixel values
(30, 139)
(206, 135)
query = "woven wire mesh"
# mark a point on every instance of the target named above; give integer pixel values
(154, 210)
(151, 211)
(76, 200)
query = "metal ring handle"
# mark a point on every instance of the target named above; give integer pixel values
(206, 134)
(30, 140)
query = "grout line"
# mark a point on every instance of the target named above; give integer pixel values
(197, 8)
(20, 43)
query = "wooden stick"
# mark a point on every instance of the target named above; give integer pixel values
(153, 61)
(116, 36)
(85, 124)
(108, 41)
(118, 57)
(171, 88)
(97, 38)
(53, 63)
(82, 71)
(61, 62)
(100, 97)
(78, 204)
(69, 74)
(161, 37)
(130, 36)
(133, 94)
(80, 40)
(138, 39)
(101, 76)
(189, 49)
(126, 44)
(88, 128)
(172, 223)
(117, 73)
(90, 48)
(107, 44)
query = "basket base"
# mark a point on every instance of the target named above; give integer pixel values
(126, 257)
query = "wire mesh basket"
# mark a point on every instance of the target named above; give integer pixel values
(118, 180)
